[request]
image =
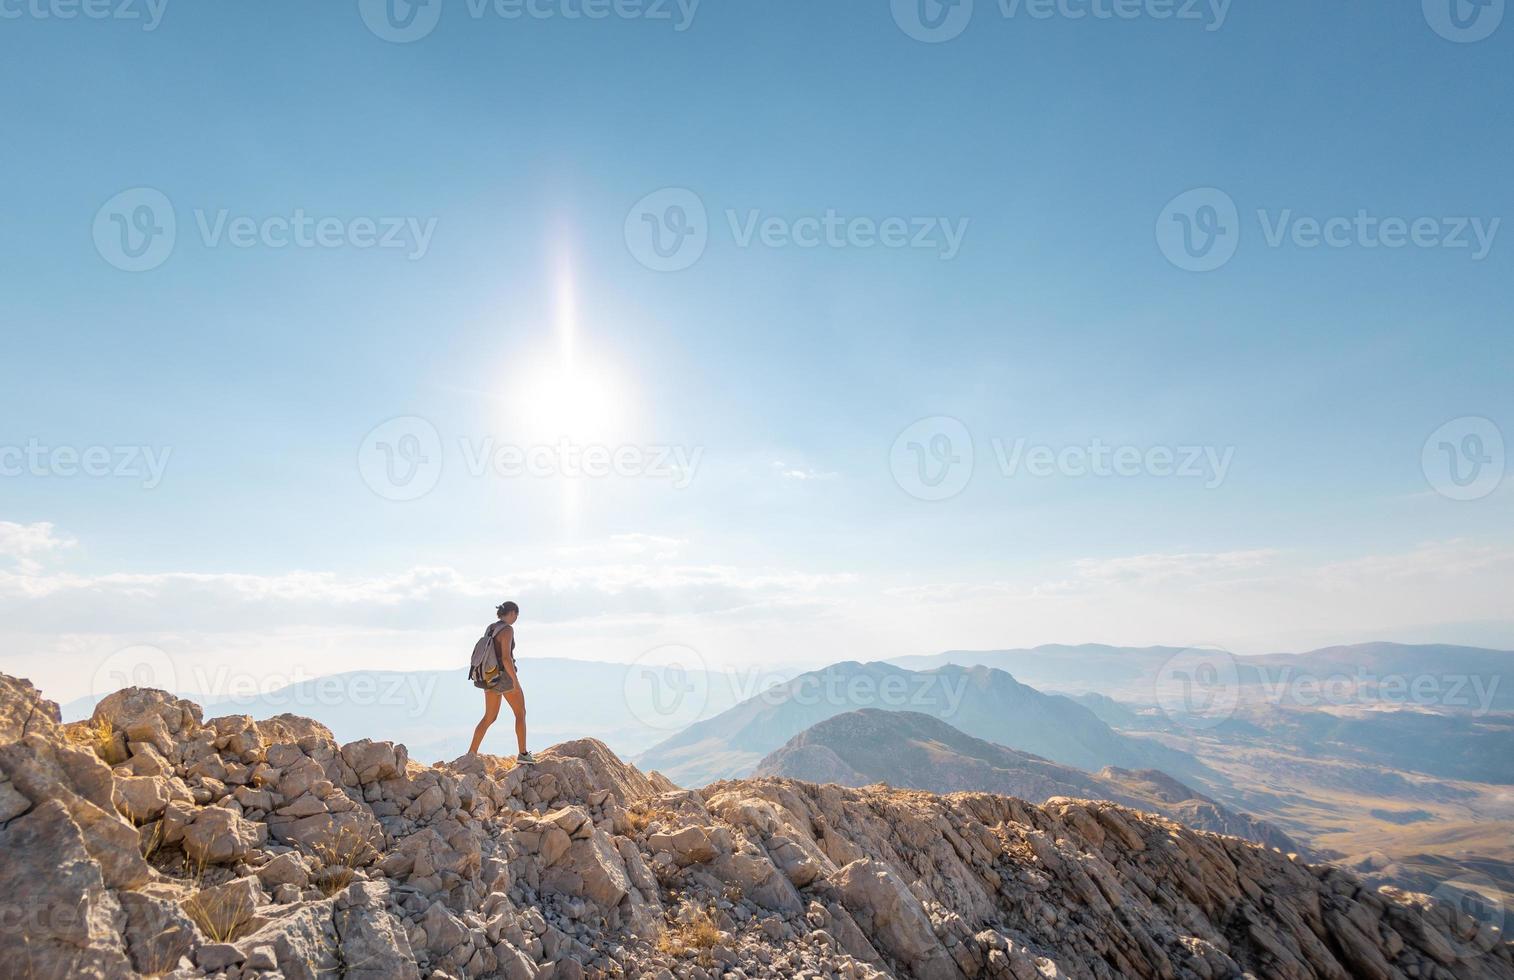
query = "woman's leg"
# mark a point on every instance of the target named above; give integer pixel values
(491, 712)
(517, 701)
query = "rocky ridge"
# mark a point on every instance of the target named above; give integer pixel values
(152, 841)
(909, 749)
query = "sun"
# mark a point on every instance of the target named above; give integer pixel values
(574, 401)
(565, 395)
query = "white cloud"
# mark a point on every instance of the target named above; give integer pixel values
(656, 547)
(801, 473)
(1153, 568)
(24, 543)
(627, 577)
(614, 599)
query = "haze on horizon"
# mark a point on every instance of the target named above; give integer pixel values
(315, 458)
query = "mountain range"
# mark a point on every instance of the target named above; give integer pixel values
(1429, 675)
(911, 750)
(981, 701)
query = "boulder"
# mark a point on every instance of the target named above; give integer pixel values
(374, 945)
(285, 869)
(142, 798)
(56, 917)
(218, 835)
(889, 912)
(158, 932)
(41, 770)
(24, 711)
(590, 869)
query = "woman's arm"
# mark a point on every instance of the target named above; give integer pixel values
(502, 641)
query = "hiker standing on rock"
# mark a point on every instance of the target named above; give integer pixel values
(493, 670)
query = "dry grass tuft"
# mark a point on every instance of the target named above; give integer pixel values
(340, 858)
(693, 932)
(96, 735)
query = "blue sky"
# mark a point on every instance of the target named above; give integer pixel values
(1053, 145)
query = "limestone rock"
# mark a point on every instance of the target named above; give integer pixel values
(58, 918)
(584, 867)
(24, 711)
(220, 836)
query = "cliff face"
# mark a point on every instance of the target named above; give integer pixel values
(152, 841)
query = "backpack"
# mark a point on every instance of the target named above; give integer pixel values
(483, 651)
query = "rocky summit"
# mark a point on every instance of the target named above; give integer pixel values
(149, 840)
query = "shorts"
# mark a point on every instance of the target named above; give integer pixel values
(496, 680)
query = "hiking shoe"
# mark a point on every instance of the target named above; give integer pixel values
(525, 759)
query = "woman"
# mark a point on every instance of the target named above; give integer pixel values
(499, 680)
